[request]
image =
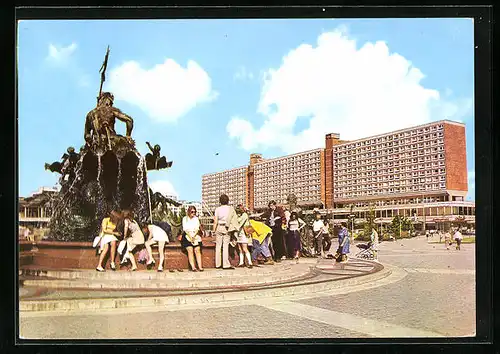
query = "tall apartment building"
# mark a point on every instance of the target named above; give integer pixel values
(427, 160)
(275, 179)
(231, 182)
(396, 172)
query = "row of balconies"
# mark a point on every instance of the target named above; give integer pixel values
(399, 166)
(300, 171)
(287, 159)
(360, 160)
(388, 191)
(290, 165)
(290, 180)
(396, 174)
(390, 149)
(396, 137)
(378, 184)
(219, 175)
(411, 167)
(416, 170)
(386, 156)
(355, 178)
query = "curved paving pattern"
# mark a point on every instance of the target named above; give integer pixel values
(45, 290)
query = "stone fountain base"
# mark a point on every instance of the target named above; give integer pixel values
(81, 255)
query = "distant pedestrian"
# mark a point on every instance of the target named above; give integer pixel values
(374, 243)
(458, 239)
(447, 239)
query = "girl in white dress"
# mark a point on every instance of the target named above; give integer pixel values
(155, 234)
(191, 240)
(242, 239)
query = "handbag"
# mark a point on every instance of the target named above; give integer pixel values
(97, 240)
(143, 256)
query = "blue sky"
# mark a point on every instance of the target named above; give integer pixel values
(201, 87)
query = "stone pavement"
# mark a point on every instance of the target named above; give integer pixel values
(427, 291)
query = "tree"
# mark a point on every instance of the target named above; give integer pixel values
(369, 223)
(400, 224)
(182, 213)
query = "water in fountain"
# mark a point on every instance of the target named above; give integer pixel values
(104, 182)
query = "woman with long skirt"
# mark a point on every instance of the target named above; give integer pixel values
(294, 226)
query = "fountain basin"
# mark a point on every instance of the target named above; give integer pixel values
(81, 255)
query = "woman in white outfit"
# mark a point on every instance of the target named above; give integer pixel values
(133, 236)
(294, 226)
(155, 234)
(108, 236)
(221, 230)
(191, 240)
(242, 239)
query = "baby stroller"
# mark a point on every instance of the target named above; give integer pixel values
(366, 251)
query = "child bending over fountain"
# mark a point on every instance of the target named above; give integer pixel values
(133, 236)
(155, 234)
(108, 236)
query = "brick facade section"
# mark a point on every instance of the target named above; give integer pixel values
(328, 177)
(330, 141)
(322, 162)
(455, 157)
(250, 189)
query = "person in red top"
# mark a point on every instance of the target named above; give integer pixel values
(275, 218)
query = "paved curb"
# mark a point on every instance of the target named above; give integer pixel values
(222, 297)
(163, 281)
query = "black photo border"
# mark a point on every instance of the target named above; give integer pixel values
(486, 164)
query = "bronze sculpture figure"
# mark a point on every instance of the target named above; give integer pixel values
(100, 123)
(107, 174)
(154, 161)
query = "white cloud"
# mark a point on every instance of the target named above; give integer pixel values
(243, 74)
(165, 92)
(60, 55)
(338, 87)
(164, 187)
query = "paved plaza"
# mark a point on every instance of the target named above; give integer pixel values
(424, 290)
